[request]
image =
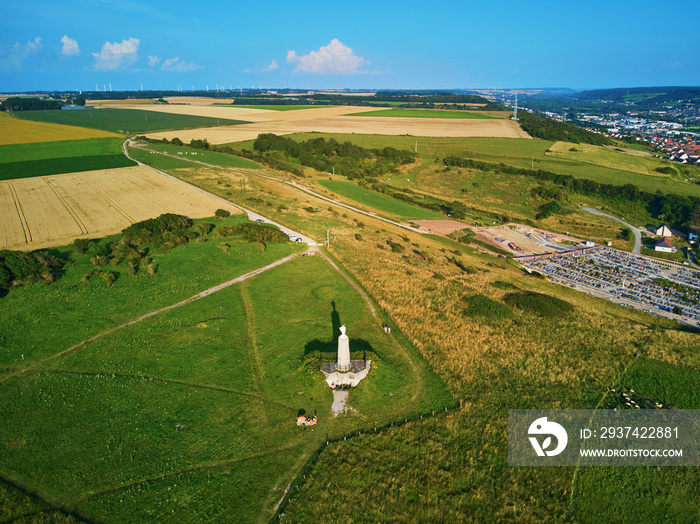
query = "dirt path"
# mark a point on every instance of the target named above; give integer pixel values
(202, 294)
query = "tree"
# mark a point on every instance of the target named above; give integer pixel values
(221, 213)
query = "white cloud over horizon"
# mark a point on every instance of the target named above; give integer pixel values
(153, 60)
(179, 66)
(13, 56)
(117, 55)
(70, 46)
(273, 65)
(335, 58)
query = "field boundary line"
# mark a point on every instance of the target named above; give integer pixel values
(253, 353)
(185, 471)
(109, 201)
(70, 210)
(164, 380)
(109, 331)
(20, 212)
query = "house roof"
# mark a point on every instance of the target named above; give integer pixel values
(663, 242)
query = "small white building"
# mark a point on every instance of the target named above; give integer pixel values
(663, 231)
(693, 233)
(664, 244)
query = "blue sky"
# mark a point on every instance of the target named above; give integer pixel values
(78, 44)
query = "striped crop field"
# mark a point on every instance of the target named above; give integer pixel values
(50, 211)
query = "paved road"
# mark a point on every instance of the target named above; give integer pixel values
(637, 232)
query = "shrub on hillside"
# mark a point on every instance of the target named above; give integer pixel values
(543, 305)
(18, 267)
(253, 233)
(81, 245)
(152, 231)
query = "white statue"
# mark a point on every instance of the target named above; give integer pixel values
(343, 364)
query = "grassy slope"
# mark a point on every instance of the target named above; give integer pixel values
(425, 113)
(527, 154)
(124, 120)
(455, 468)
(657, 492)
(90, 307)
(377, 201)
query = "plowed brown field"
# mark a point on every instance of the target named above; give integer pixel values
(51, 211)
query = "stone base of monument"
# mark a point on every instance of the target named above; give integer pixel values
(336, 378)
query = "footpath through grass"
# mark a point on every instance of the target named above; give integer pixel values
(124, 120)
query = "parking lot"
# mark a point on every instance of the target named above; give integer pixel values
(662, 288)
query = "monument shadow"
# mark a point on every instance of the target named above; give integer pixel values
(327, 350)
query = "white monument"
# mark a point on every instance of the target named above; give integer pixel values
(345, 372)
(343, 364)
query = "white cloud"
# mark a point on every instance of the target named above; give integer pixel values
(117, 55)
(13, 56)
(153, 60)
(273, 65)
(70, 46)
(336, 58)
(179, 66)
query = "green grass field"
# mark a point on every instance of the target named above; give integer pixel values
(67, 156)
(62, 149)
(424, 113)
(190, 414)
(208, 157)
(382, 203)
(124, 120)
(673, 387)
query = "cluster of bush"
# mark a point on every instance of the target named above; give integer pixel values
(166, 231)
(253, 233)
(18, 267)
(347, 159)
(114, 253)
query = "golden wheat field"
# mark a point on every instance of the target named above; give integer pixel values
(16, 131)
(431, 127)
(249, 114)
(54, 210)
